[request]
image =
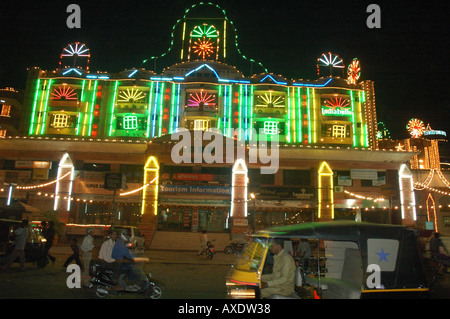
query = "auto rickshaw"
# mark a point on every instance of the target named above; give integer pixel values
(348, 260)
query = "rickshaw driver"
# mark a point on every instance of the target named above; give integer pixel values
(281, 280)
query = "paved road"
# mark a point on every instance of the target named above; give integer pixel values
(186, 276)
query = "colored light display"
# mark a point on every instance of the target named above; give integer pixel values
(415, 128)
(337, 106)
(353, 72)
(203, 48)
(269, 100)
(329, 60)
(75, 51)
(133, 95)
(202, 100)
(64, 93)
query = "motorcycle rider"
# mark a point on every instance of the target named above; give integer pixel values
(129, 262)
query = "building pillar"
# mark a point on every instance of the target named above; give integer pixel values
(63, 188)
(407, 197)
(238, 212)
(325, 193)
(149, 210)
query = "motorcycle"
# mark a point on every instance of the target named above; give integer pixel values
(210, 250)
(234, 248)
(102, 284)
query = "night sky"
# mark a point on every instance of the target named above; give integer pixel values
(407, 57)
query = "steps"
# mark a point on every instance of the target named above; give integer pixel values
(186, 241)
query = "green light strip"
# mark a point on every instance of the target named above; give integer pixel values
(161, 101)
(220, 99)
(91, 111)
(77, 130)
(111, 119)
(30, 131)
(363, 135)
(309, 116)
(299, 105)
(172, 106)
(353, 118)
(149, 110)
(45, 107)
(240, 111)
(251, 112)
(288, 138)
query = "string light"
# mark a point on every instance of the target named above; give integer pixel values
(45, 184)
(417, 185)
(138, 189)
(364, 197)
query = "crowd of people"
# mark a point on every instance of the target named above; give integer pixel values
(113, 253)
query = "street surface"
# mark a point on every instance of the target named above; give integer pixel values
(185, 275)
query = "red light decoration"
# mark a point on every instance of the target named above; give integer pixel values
(64, 93)
(337, 102)
(201, 99)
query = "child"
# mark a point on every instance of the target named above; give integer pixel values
(75, 255)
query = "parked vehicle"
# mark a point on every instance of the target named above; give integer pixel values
(210, 252)
(347, 260)
(137, 242)
(103, 283)
(234, 248)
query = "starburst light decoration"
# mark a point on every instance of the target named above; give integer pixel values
(133, 95)
(64, 93)
(415, 128)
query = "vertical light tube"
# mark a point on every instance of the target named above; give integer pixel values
(161, 101)
(47, 95)
(309, 116)
(91, 111)
(10, 191)
(65, 166)
(33, 114)
(111, 120)
(353, 119)
(289, 120)
(149, 110)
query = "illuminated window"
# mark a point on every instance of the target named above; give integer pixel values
(5, 110)
(130, 122)
(201, 125)
(60, 120)
(270, 127)
(339, 131)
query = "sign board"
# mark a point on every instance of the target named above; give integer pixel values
(115, 181)
(356, 173)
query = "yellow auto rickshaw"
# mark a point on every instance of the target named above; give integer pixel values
(347, 260)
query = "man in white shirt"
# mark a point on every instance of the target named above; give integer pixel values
(19, 247)
(86, 251)
(107, 247)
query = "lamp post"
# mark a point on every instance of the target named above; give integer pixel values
(253, 197)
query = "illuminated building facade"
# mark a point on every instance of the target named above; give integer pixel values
(329, 165)
(430, 175)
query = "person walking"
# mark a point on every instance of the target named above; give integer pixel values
(49, 235)
(19, 247)
(86, 254)
(75, 256)
(203, 242)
